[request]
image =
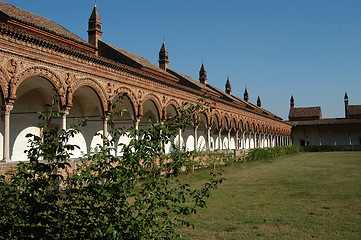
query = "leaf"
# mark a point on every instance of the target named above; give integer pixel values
(110, 230)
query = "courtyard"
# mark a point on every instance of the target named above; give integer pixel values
(304, 196)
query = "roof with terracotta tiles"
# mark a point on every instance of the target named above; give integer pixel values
(353, 110)
(122, 56)
(326, 121)
(305, 113)
(10, 12)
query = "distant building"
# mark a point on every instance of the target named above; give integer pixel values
(309, 128)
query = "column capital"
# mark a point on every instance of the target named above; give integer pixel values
(136, 120)
(7, 107)
(65, 110)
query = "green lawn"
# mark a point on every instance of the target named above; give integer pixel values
(304, 196)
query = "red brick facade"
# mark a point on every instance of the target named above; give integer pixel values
(32, 47)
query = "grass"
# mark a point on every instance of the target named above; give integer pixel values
(304, 196)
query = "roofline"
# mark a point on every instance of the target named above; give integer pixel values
(51, 35)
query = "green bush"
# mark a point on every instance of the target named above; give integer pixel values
(270, 153)
(331, 148)
(137, 196)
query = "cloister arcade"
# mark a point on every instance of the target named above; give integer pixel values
(42, 64)
(214, 131)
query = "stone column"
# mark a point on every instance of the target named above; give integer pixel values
(245, 135)
(180, 138)
(6, 147)
(195, 137)
(255, 140)
(136, 123)
(219, 139)
(237, 139)
(65, 113)
(209, 129)
(105, 125)
(229, 139)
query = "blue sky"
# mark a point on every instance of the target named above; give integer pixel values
(277, 48)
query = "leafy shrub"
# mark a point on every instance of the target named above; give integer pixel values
(137, 196)
(270, 153)
(331, 148)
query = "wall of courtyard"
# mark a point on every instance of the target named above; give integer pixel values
(81, 85)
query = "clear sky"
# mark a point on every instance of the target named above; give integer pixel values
(310, 49)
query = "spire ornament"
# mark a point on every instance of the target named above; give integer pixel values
(163, 57)
(203, 75)
(228, 86)
(245, 95)
(259, 103)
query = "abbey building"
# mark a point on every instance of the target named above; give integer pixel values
(43, 63)
(309, 128)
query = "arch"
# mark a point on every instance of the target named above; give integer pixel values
(149, 112)
(225, 121)
(203, 118)
(252, 127)
(209, 117)
(33, 94)
(155, 100)
(43, 72)
(127, 102)
(172, 102)
(130, 95)
(256, 127)
(266, 129)
(94, 86)
(171, 108)
(233, 124)
(215, 121)
(242, 124)
(216, 118)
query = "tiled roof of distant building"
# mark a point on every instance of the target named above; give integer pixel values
(353, 110)
(307, 113)
(327, 121)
